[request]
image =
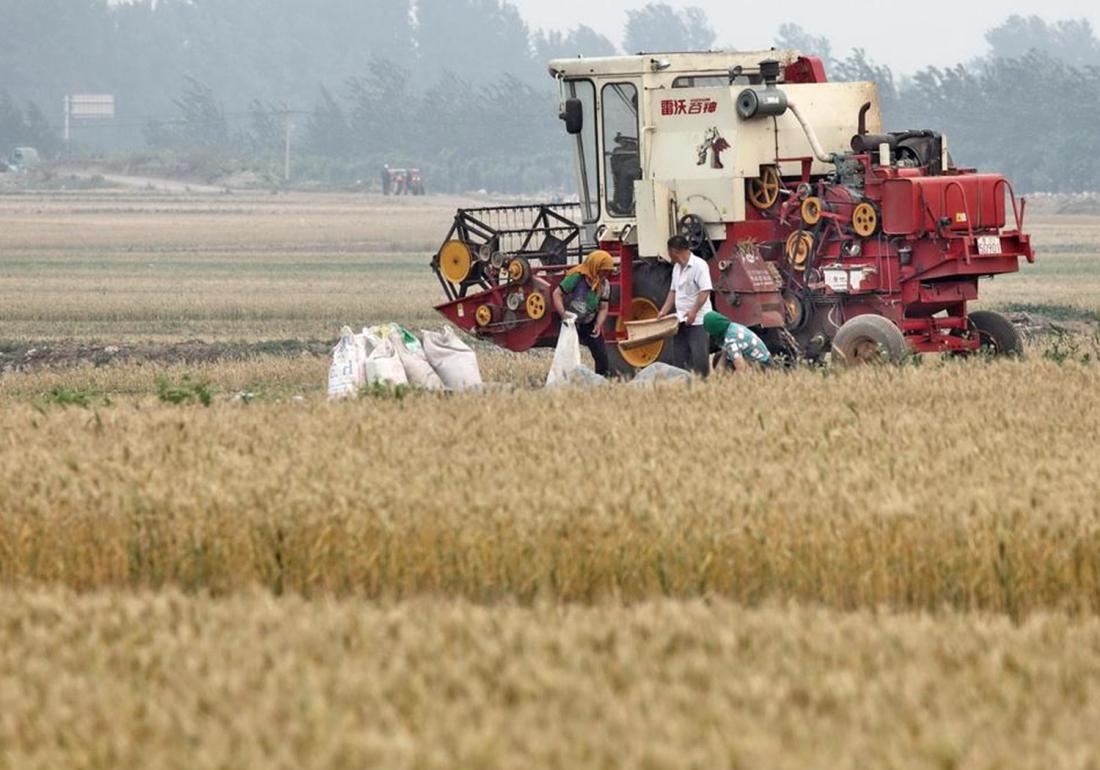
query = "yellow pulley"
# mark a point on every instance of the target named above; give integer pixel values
(536, 306)
(455, 261)
(811, 210)
(799, 248)
(794, 311)
(864, 220)
(518, 270)
(764, 190)
(483, 316)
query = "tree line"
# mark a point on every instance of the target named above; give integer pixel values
(459, 87)
(1030, 108)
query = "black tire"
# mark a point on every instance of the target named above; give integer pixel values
(869, 339)
(652, 279)
(999, 337)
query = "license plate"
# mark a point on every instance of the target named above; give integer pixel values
(989, 244)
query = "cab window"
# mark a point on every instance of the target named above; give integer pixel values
(622, 161)
(587, 157)
(704, 81)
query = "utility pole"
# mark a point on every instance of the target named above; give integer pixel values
(288, 126)
(68, 121)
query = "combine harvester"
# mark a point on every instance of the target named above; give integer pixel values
(823, 233)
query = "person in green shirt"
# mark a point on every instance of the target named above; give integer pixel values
(740, 345)
(585, 294)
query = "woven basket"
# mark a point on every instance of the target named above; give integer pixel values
(640, 333)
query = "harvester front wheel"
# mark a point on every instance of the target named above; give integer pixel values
(869, 339)
(997, 335)
(651, 284)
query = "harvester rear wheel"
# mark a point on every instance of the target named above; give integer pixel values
(997, 335)
(869, 339)
(651, 284)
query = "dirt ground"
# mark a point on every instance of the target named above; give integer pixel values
(26, 356)
(1036, 326)
(30, 356)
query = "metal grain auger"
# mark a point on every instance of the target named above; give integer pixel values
(823, 233)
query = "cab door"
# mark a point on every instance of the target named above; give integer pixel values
(620, 145)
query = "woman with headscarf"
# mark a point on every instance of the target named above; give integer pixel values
(585, 293)
(739, 344)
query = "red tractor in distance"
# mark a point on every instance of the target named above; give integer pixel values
(823, 233)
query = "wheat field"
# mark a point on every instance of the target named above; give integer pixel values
(940, 488)
(890, 567)
(169, 681)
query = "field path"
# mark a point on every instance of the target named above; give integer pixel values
(143, 182)
(163, 185)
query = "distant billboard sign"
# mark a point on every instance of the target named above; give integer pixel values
(91, 106)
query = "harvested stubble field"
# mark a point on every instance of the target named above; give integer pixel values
(882, 568)
(121, 267)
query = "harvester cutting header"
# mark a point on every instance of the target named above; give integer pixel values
(822, 232)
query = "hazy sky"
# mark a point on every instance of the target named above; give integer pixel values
(905, 36)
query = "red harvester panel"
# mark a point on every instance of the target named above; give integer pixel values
(916, 206)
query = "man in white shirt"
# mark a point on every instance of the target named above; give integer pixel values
(689, 296)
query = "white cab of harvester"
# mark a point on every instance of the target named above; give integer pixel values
(662, 138)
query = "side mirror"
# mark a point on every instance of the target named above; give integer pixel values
(572, 112)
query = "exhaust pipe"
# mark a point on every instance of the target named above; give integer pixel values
(863, 118)
(770, 101)
(811, 135)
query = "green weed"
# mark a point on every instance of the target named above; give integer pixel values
(186, 391)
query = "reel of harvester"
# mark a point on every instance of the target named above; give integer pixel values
(498, 265)
(502, 245)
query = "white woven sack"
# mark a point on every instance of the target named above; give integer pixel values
(384, 366)
(348, 369)
(417, 369)
(453, 360)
